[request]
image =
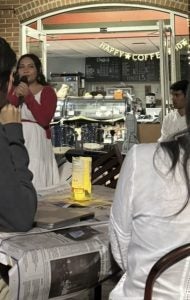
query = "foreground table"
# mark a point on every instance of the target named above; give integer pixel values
(56, 264)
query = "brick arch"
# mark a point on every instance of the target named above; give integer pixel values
(34, 8)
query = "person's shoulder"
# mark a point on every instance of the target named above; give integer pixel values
(48, 89)
(145, 147)
(141, 157)
(143, 150)
(171, 115)
(169, 119)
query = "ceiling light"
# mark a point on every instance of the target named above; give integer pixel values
(139, 43)
(103, 29)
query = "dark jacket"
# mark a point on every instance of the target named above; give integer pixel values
(18, 199)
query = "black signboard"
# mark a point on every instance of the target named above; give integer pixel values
(135, 70)
(107, 69)
(184, 66)
(103, 69)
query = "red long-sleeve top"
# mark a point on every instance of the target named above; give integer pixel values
(43, 112)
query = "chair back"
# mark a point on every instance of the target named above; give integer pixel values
(105, 169)
(162, 264)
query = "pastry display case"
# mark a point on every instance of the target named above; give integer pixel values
(91, 122)
(95, 108)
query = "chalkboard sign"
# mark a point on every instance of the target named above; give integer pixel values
(103, 69)
(107, 69)
(184, 66)
(147, 70)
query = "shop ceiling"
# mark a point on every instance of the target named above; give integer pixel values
(80, 33)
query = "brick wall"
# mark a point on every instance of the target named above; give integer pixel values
(9, 22)
(12, 12)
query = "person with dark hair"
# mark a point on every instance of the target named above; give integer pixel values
(150, 216)
(38, 103)
(18, 199)
(175, 120)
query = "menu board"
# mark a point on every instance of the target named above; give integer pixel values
(107, 69)
(111, 69)
(147, 70)
(103, 69)
(184, 66)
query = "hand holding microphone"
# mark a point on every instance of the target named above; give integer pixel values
(21, 89)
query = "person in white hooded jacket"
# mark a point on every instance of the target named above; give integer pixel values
(150, 216)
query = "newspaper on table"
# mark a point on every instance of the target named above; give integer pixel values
(57, 264)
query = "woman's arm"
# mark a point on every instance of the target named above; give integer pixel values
(120, 227)
(44, 111)
(18, 198)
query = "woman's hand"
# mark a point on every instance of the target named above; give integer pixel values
(10, 114)
(22, 89)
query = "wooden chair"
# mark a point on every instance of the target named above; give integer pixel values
(162, 264)
(105, 169)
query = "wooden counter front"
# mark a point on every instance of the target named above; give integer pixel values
(148, 132)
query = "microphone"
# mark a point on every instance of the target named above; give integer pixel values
(24, 79)
(21, 98)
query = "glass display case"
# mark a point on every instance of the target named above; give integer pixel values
(59, 110)
(91, 122)
(127, 92)
(95, 108)
(72, 80)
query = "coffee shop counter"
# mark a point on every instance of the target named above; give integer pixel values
(149, 126)
(148, 132)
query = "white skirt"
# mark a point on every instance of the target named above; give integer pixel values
(42, 160)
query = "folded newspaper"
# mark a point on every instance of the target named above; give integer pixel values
(55, 265)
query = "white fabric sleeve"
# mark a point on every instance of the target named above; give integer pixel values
(122, 211)
(164, 130)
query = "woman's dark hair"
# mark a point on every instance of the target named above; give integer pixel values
(7, 62)
(40, 76)
(173, 146)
